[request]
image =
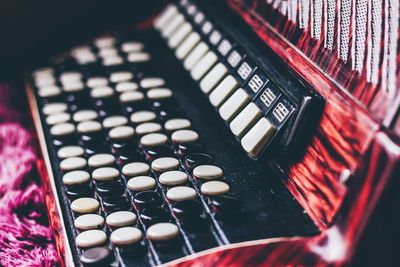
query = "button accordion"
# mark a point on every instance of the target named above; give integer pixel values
(226, 133)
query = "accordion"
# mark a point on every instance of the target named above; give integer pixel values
(226, 133)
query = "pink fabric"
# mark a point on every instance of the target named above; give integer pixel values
(25, 236)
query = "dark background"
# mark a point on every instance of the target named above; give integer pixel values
(33, 30)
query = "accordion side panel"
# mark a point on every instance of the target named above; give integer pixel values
(353, 43)
(345, 131)
(336, 245)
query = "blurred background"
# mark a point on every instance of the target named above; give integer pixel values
(33, 30)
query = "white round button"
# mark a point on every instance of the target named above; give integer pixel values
(121, 76)
(53, 108)
(135, 169)
(141, 183)
(159, 93)
(49, 91)
(207, 172)
(58, 118)
(104, 41)
(76, 177)
(73, 163)
(151, 82)
(121, 132)
(88, 222)
(97, 82)
(102, 92)
(114, 121)
(89, 126)
(153, 139)
(162, 231)
(142, 116)
(165, 164)
(126, 87)
(214, 188)
(137, 57)
(121, 218)
(148, 127)
(125, 236)
(176, 124)
(85, 205)
(180, 193)
(184, 136)
(101, 160)
(84, 115)
(73, 86)
(108, 52)
(128, 47)
(112, 61)
(105, 174)
(70, 151)
(62, 129)
(91, 238)
(131, 96)
(172, 178)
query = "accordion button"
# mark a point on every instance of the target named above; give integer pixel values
(173, 178)
(207, 172)
(159, 93)
(223, 91)
(114, 121)
(54, 108)
(58, 118)
(89, 222)
(104, 174)
(181, 193)
(141, 183)
(148, 127)
(91, 238)
(121, 219)
(245, 119)
(121, 133)
(101, 160)
(76, 177)
(151, 82)
(234, 104)
(73, 163)
(96, 82)
(153, 139)
(214, 188)
(212, 78)
(176, 124)
(204, 65)
(84, 115)
(126, 87)
(121, 76)
(70, 151)
(184, 136)
(162, 232)
(258, 136)
(85, 205)
(126, 236)
(165, 164)
(187, 45)
(135, 169)
(142, 116)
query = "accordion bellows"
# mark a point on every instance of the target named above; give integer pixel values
(352, 42)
